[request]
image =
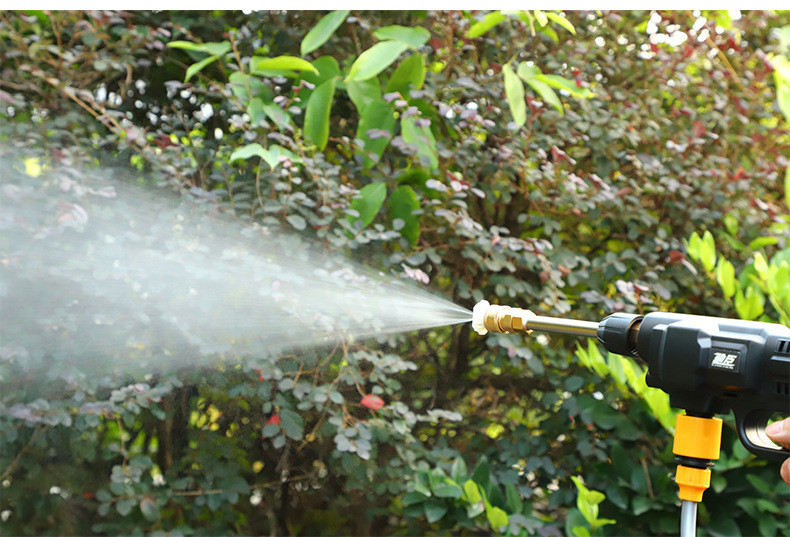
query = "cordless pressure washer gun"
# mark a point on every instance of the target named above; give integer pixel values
(707, 366)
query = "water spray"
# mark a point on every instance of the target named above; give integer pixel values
(707, 366)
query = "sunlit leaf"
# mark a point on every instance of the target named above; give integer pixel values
(527, 74)
(322, 31)
(363, 92)
(562, 21)
(375, 60)
(285, 63)
(570, 86)
(514, 91)
(422, 138)
(368, 202)
(195, 68)
(414, 37)
(278, 115)
(214, 49)
(403, 203)
(380, 116)
(490, 20)
(410, 74)
(316, 121)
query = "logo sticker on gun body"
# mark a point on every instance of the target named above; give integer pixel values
(725, 359)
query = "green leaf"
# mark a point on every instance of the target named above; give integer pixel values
(292, 423)
(316, 121)
(541, 17)
(605, 416)
(241, 83)
(530, 75)
(363, 92)
(490, 20)
(434, 510)
(297, 222)
(409, 74)
(414, 37)
(514, 503)
(725, 275)
(694, 246)
(641, 505)
(707, 253)
(278, 115)
(514, 91)
(248, 151)
(761, 242)
(125, 506)
(423, 138)
(731, 223)
(761, 265)
(496, 517)
(368, 203)
(375, 60)
(214, 49)
(472, 492)
(749, 305)
(271, 156)
(255, 111)
(322, 31)
(447, 488)
(562, 21)
(327, 68)
(458, 471)
(150, 509)
(195, 68)
(481, 474)
(377, 115)
(275, 154)
(281, 63)
(422, 483)
(403, 203)
(411, 498)
(558, 82)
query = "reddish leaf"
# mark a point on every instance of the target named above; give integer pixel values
(699, 129)
(675, 257)
(373, 402)
(274, 420)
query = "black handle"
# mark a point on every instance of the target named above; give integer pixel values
(750, 424)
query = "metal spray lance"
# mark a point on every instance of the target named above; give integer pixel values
(707, 366)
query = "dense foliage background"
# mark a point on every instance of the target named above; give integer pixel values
(574, 164)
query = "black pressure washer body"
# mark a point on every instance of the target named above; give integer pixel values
(711, 365)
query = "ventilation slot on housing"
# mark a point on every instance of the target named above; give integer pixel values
(783, 388)
(783, 347)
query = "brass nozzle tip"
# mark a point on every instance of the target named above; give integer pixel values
(502, 319)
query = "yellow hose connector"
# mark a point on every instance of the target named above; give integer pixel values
(699, 438)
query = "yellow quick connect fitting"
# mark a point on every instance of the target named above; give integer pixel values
(698, 438)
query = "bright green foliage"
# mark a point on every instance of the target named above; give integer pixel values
(375, 60)
(322, 31)
(506, 155)
(319, 107)
(587, 503)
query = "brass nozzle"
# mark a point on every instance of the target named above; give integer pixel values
(503, 319)
(506, 320)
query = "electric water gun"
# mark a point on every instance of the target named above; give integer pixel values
(707, 366)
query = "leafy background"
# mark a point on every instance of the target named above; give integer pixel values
(575, 164)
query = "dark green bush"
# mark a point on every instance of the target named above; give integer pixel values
(573, 201)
